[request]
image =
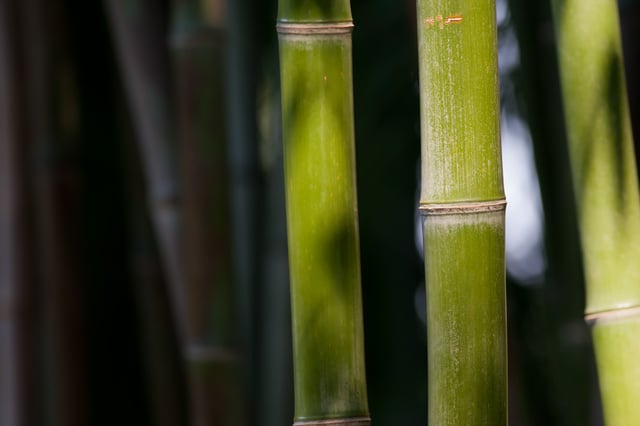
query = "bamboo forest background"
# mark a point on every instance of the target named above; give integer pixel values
(140, 154)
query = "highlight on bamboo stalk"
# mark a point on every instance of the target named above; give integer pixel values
(318, 137)
(606, 189)
(463, 206)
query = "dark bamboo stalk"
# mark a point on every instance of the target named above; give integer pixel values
(215, 369)
(17, 286)
(324, 258)
(53, 121)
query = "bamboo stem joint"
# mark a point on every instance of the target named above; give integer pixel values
(357, 421)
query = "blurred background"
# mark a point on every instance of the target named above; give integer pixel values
(143, 257)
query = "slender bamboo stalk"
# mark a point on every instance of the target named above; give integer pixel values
(211, 353)
(17, 298)
(568, 364)
(462, 203)
(244, 173)
(54, 105)
(605, 180)
(144, 62)
(318, 138)
(160, 347)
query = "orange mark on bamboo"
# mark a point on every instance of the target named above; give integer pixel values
(441, 21)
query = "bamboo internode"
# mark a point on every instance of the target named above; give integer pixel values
(324, 258)
(462, 205)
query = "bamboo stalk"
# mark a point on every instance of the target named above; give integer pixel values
(462, 204)
(211, 351)
(567, 363)
(54, 127)
(605, 180)
(17, 286)
(144, 61)
(163, 370)
(318, 138)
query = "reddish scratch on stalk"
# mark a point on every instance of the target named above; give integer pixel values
(431, 21)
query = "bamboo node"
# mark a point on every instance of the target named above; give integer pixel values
(462, 208)
(612, 315)
(353, 421)
(314, 28)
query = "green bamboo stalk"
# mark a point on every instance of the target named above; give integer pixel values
(462, 203)
(605, 180)
(211, 350)
(319, 157)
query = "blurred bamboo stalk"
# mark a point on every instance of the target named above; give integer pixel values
(322, 222)
(563, 364)
(462, 204)
(165, 382)
(215, 369)
(140, 41)
(54, 112)
(606, 188)
(17, 254)
(139, 38)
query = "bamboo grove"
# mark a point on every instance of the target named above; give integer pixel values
(239, 213)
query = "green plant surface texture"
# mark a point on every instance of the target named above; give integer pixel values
(307, 11)
(601, 150)
(459, 101)
(319, 156)
(617, 347)
(466, 319)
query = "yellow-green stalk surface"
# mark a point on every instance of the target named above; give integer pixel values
(462, 202)
(605, 181)
(318, 137)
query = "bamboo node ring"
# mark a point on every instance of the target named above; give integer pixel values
(353, 421)
(462, 208)
(314, 28)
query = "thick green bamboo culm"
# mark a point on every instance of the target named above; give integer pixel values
(319, 156)
(605, 181)
(462, 204)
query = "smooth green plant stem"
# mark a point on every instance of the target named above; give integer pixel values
(215, 372)
(605, 180)
(319, 156)
(462, 203)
